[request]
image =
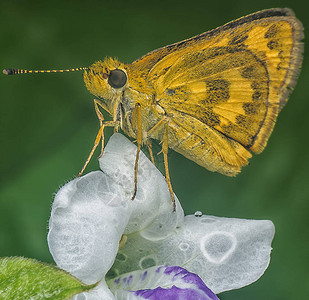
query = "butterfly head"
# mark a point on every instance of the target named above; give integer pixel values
(106, 79)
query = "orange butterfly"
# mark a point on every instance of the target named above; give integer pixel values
(214, 98)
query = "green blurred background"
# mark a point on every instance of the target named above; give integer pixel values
(48, 125)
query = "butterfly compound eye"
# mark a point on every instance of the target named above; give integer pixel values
(117, 79)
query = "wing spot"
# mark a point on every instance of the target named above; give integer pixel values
(247, 72)
(217, 91)
(273, 44)
(271, 32)
(256, 95)
(209, 117)
(250, 108)
(256, 85)
(170, 92)
(238, 39)
(242, 121)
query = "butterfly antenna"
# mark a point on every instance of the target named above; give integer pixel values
(21, 71)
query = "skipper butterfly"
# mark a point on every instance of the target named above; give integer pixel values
(214, 98)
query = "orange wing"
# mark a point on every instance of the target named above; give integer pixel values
(222, 90)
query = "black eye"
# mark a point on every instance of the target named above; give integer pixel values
(117, 79)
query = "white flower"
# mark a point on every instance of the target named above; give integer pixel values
(163, 251)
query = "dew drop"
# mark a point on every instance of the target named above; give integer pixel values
(198, 213)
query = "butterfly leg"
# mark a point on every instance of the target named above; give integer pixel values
(167, 174)
(137, 121)
(100, 135)
(164, 142)
(149, 145)
(101, 119)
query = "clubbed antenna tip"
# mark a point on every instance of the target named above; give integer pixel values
(7, 71)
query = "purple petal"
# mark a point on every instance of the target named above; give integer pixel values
(188, 277)
(174, 293)
(163, 282)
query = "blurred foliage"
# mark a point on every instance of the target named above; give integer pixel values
(48, 125)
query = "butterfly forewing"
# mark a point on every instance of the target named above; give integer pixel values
(222, 90)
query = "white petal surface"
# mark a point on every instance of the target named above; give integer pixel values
(226, 253)
(152, 205)
(88, 217)
(90, 213)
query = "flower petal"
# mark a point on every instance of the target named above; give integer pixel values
(226, 253)
(152, 206)
(162, 282)
(88, 217)
(90, 213)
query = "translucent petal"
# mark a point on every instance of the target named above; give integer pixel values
(162, 282)
(152, 206)
(88, 217)
(226, 253)
(90, 214)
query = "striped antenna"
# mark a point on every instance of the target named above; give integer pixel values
(21, 71)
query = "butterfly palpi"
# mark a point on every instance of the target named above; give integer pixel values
(214, 98)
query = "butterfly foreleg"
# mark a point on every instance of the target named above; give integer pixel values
(100, 134)
(114, 124)
(101, 119)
